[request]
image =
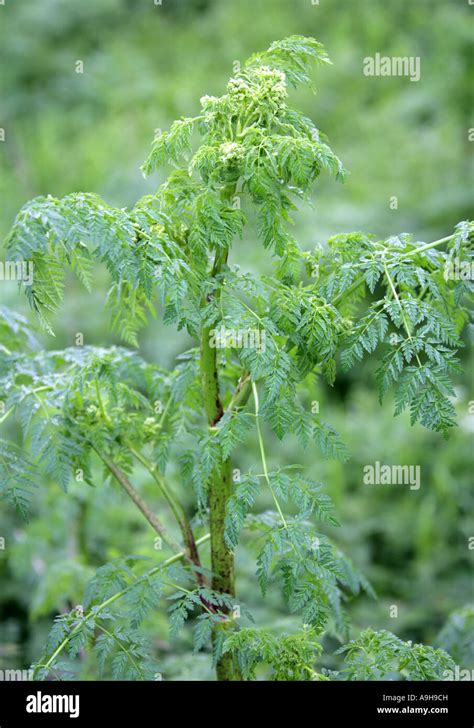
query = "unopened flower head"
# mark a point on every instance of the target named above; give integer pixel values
(272, 83)
(208, 102)
(231, 152)
(238, 87)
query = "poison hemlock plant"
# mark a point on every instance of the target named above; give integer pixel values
(257, 158)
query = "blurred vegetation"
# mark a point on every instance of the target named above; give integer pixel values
(145, 65)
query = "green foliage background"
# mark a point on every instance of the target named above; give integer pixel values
(145, 65)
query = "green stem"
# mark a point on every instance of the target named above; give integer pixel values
(152, 519)
(262, 453)
(178, 512)
(428, 246)
(170, 498)
(6, 415)
(222, 558)
(242, 392)
(164, 413)
(220, 489)
(100, 403)
(209, 379)
(402, 312)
